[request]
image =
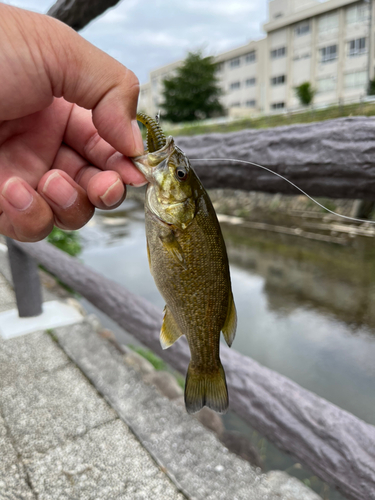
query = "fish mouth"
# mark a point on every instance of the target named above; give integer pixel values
(148, 163)
(142, 164)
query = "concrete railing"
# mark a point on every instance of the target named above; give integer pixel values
(78, 13)
(335, 158)
(334, 444)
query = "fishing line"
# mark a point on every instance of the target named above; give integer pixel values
(287, 180)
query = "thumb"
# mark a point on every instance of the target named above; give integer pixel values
(81, 73)
(94, 80)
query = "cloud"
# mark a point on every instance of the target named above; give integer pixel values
(146, 34)
(223, 7)
(113, 17)
(40, 6)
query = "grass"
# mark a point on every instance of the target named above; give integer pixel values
(157, 363)
(311, 115)
(67, 241)
(52, 334)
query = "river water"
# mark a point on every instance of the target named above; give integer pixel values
(304, 306)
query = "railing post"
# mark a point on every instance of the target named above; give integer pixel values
(25, 280)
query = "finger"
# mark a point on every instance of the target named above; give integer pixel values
(53, 60)
(25, 216)
(82, 137)
(85, 75)
(68, 201)
(106, 190)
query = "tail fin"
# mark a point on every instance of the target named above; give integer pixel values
(206, 389)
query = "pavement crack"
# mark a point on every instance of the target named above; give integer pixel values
(29, 483)
(20, 464)
(59, 368)
(98, 426)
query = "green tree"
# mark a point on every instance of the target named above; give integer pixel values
(305, 93)
(371, 87)
(193, 93)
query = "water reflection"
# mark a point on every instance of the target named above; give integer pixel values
(304, 308)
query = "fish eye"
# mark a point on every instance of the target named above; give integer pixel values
(181, 174)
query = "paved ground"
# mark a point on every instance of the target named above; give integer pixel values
(77, 423)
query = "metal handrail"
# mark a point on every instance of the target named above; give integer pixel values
(25, 281)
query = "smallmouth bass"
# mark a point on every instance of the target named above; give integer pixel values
(189, 263)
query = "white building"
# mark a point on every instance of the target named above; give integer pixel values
(330, 44)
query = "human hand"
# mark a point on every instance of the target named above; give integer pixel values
(67, 126)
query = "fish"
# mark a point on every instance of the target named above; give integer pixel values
(188, 261)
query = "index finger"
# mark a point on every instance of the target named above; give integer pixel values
(55, 61)
(82, 137)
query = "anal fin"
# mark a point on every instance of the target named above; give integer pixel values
(230, 325)
(170, 331)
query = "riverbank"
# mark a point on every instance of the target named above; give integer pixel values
(268, 121)
(247, 204)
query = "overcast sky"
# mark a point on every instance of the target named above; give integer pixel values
(146, 34)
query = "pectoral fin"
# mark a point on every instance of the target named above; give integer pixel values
(149, 256)
(170, 331)
(174, 249)
(230, 325)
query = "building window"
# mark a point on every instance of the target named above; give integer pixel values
(302, 29)
(220, 67)
(250, 82)
(276, 53)
(235, 85)
(235, 63)
(357, 46)
(251, 103)
(235, 105)
(328, 22)
(326, 84)
(328, 53)
(278, 80)
(356, 79)
(250, 57)
(297, 57)
(357, 14)
(278, 105)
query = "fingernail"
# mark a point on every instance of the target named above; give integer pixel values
(16, 194)
(109, 198)
(60, 191)
(138, 185)
(138, 141)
